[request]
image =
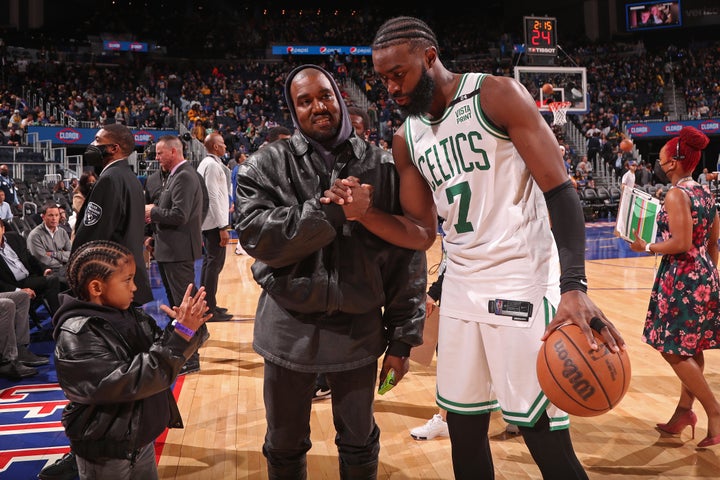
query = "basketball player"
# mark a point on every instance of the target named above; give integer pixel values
(477, 146)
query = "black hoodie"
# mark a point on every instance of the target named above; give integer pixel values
(334, 295)
(325, 149)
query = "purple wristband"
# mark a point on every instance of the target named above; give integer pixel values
(183, 329)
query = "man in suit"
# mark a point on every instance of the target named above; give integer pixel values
(153, 187)
(19, 270)
(177, 218)
(114, 208)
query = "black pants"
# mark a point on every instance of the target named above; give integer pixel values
(212, 265)
(472, 460)
(44, 287)
(175, 277)
(288, 401)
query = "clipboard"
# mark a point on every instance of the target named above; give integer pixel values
(638, 210)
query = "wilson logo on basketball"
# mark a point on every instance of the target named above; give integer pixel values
(572, 373)
(578, 379)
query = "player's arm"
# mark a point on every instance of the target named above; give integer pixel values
(416, 228)
(510, 106)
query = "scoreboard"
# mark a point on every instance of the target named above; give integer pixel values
(541, 36)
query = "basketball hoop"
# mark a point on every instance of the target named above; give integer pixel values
(559, 110)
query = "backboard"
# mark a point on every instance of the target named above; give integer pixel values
(569, 84)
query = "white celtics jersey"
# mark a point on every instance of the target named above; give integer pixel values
(497, 229)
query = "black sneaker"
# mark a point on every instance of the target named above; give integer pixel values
(220, 317)
(26, 357)
(16, 370)
(64, 469)
(192, 365)
(321, 393)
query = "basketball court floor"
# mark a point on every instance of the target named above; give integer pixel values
(224, 416)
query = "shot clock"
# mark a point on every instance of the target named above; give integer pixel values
(541, 36)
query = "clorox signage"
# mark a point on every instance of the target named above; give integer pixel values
(672, 128)
(638, 129)
(68, 135)
(142, 137)
(84, 136)
(710, 126)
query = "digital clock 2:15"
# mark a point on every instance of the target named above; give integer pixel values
(541, 36)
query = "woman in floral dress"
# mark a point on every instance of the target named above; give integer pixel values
(683, 317)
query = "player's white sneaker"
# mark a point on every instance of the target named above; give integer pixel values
(435, 427)
(512, 429)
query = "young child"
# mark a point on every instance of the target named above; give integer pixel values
(116, 365)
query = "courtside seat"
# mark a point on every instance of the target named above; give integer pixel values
(605, 197)
(591, 203)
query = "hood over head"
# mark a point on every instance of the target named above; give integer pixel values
(344, 132)
(72, 307)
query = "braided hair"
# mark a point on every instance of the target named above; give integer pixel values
(399, 30)
(96, 260)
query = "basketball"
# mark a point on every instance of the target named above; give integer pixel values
(626, 145)
(547, 89)
(579, 380)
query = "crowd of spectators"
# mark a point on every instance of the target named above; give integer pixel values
(242, 98)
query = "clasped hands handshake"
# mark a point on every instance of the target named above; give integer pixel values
(354, 197)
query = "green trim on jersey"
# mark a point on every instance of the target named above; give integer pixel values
(523, 419)
(424, 119)
(487, 124)
(410, 145)
(467, 408)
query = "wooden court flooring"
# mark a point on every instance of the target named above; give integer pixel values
(224, 417)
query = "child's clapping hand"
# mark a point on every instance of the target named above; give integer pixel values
(192, 311)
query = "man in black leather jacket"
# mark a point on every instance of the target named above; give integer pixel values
(335, 297)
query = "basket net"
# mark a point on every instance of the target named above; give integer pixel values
(559, 110)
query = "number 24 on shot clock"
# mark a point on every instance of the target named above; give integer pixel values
(541, 35)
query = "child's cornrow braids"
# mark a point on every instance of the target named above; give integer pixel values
(94, 260)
